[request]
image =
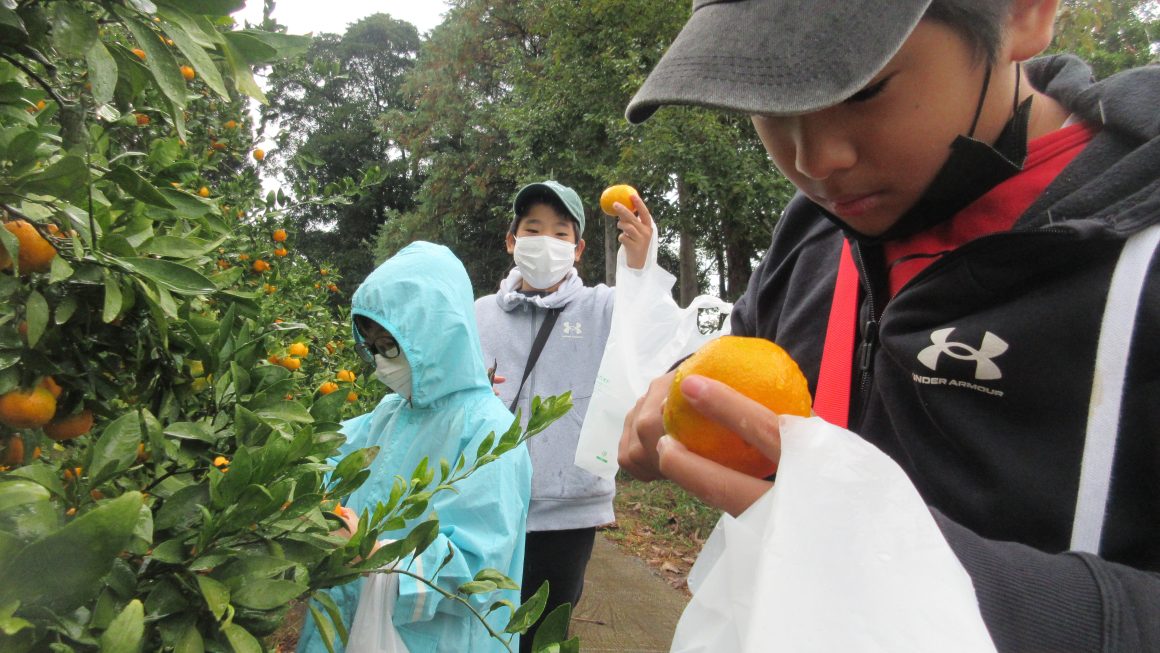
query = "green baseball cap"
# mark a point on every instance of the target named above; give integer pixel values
(539, 190)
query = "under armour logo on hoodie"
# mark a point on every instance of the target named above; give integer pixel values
(985, 368)
(572, 329)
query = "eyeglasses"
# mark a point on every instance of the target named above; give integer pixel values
(384, 346)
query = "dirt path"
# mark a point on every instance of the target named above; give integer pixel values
(626, 605)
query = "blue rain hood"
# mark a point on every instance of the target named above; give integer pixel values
(423, 296)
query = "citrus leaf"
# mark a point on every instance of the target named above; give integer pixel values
(170, 275)
(128, 180)
(102, 72)
(116, 449)
(165, 70)
(197, 56)
(241, 640)
(73, 30)
(216, 595)
(290, 411)
(64, 569)
(67, 177)
(267, 594)
(113, 299)
(243, 77)
(126, 633)
(36, 314)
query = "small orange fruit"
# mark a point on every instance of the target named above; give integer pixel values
(346, 376)
(269, 289)
(279, 235)
(139, 52)
(218, 145)
(622, 193)
(142, 119)
(230, 124)
(49, 383)
(291, 363)
(261, 266)
(259, 154)
(327, 388)
(70, 427)
(331, 287)
(24, 409)
(203, 192)
(274, 360)
(220, 461)
(14, 449)
(36, 253)
(243, 257)
(280, 252)
(755, 367)
(298, 349)
(352, 396)
(188, 73)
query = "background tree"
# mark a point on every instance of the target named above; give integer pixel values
(327, 108)
(1111, 35)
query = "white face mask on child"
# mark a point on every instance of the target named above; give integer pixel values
(543, 260)
(395, 373)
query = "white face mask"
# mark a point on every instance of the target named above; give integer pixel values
(395, 373)
(543, 261)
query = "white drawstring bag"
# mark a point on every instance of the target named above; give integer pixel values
(649, 333)
(373, 628)
(841, 554)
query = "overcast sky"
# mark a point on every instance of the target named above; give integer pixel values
(303, 16)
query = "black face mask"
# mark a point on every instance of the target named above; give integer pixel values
(972, 169)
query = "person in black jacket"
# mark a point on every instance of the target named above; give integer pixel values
(995, 215)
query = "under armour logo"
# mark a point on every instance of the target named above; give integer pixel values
(985, 369)
(571, 329)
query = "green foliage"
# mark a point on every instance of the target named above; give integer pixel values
(1111, 35)
(196, 507)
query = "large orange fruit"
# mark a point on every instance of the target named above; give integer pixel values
(36, 253)
(70, 427)
(619, 193)
(755, 367)
(26, 409)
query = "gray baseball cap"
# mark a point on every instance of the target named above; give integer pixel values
(568, 196)
(776, 57)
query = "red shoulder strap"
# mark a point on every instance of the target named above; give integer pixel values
(832, 398)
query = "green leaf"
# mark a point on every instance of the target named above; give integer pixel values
(67, 177)
(187, 205)
(133, 183)
(197, 56)
(529, 612)
(116, 450)
(126, 633)
(173, 13)
(182, 508)
(36, 314)
(64, 569)
(73, 30)
(241, 640)
(290, 411)
(213, 7)
(113, 298)
(167, 274)
(26, 511)
(190, 641)
(554, 628)
(279, 46)
(102, 72)
(179, 246)
(216, 595)
(166, 72)
(243, 76)
(267, 594)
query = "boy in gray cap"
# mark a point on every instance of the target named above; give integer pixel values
(546, 331)
(976, 229)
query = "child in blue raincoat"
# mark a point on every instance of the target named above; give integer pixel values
(414, 317)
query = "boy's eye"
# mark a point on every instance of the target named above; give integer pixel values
(870, 91)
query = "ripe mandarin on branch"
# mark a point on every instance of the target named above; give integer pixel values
(755, 367)
(36, 253)
(622, 193)
(24, 409)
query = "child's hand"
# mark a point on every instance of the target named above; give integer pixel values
(350, 519)
(636, 226)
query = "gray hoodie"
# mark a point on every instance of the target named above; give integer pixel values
(563, 495)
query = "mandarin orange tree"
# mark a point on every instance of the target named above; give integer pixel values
(163, 485)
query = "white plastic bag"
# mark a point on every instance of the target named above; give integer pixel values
(373, 630)
(842, 554)
(649, 333)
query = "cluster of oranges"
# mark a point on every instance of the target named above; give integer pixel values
(36, 408)
(343, 376)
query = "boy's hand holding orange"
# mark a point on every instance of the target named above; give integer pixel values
(754, 367)
(634, 222)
